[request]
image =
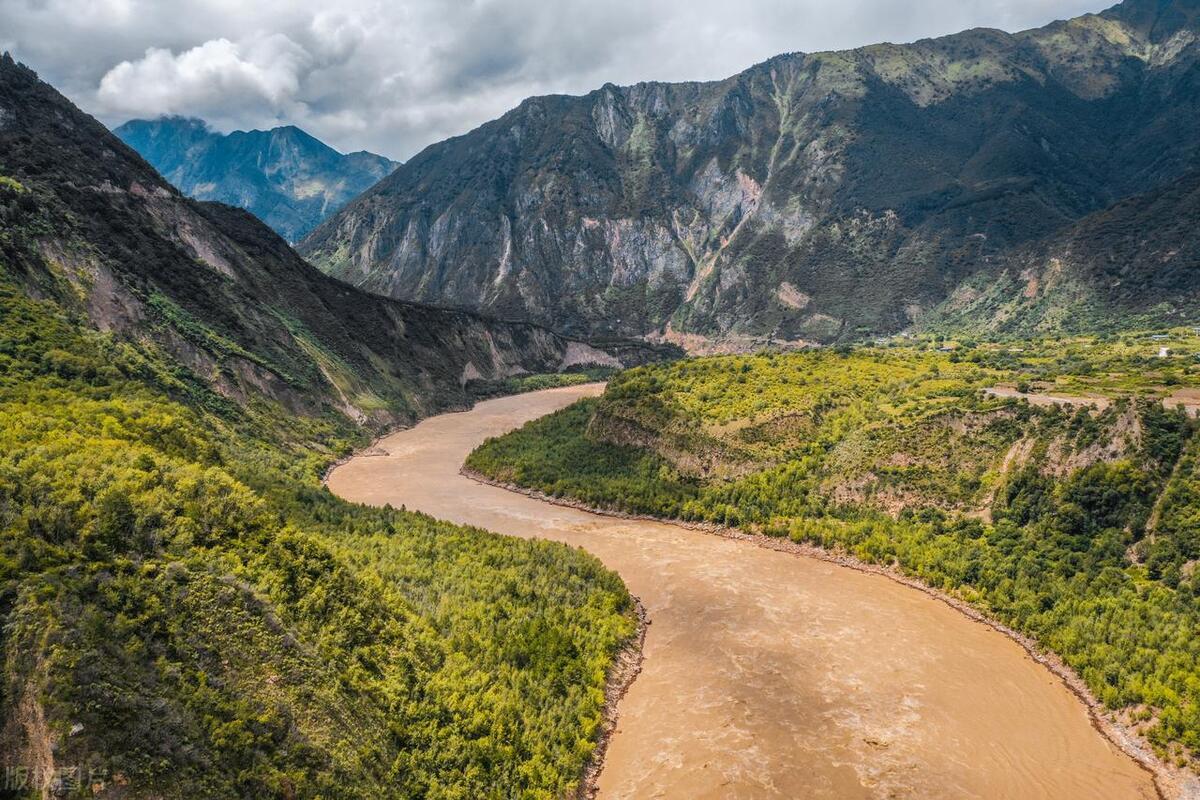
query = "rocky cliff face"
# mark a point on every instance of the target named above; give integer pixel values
(90, 224)
(283, 176)
(822, 197)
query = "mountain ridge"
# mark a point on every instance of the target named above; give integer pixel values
(1103, 268)
(824, 196)
(284, 175)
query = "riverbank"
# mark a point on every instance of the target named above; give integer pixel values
(1170, 782)
(626, 666)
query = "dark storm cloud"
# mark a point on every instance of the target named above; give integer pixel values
(394, 77)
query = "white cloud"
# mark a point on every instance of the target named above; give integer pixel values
(218, 79)
(395, 76)
(336, 34)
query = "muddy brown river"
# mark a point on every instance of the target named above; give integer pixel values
(772, 675)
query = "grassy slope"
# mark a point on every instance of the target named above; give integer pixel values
(1073, 527)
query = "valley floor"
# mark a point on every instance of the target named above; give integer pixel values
(768, 675)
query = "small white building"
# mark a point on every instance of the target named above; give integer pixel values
(1164, 352)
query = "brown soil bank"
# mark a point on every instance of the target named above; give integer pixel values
(769, 675)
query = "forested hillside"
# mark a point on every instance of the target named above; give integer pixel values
(185, 611)
(188, 613)
(1069, 515)
(823, 197)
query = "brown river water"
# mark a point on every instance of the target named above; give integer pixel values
(768, 674)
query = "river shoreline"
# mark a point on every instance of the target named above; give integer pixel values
(1170, 782)
(623, 671)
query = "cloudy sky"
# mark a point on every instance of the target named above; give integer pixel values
(394, 76)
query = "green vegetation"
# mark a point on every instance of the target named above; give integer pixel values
(1073, 524)
(192, 613)
(11, 185)
(184, 610)
(552, 456)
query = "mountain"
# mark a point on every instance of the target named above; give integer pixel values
(185, 611)
(824, 196)
(1131, 265)
(283, 176)
(97, 229)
